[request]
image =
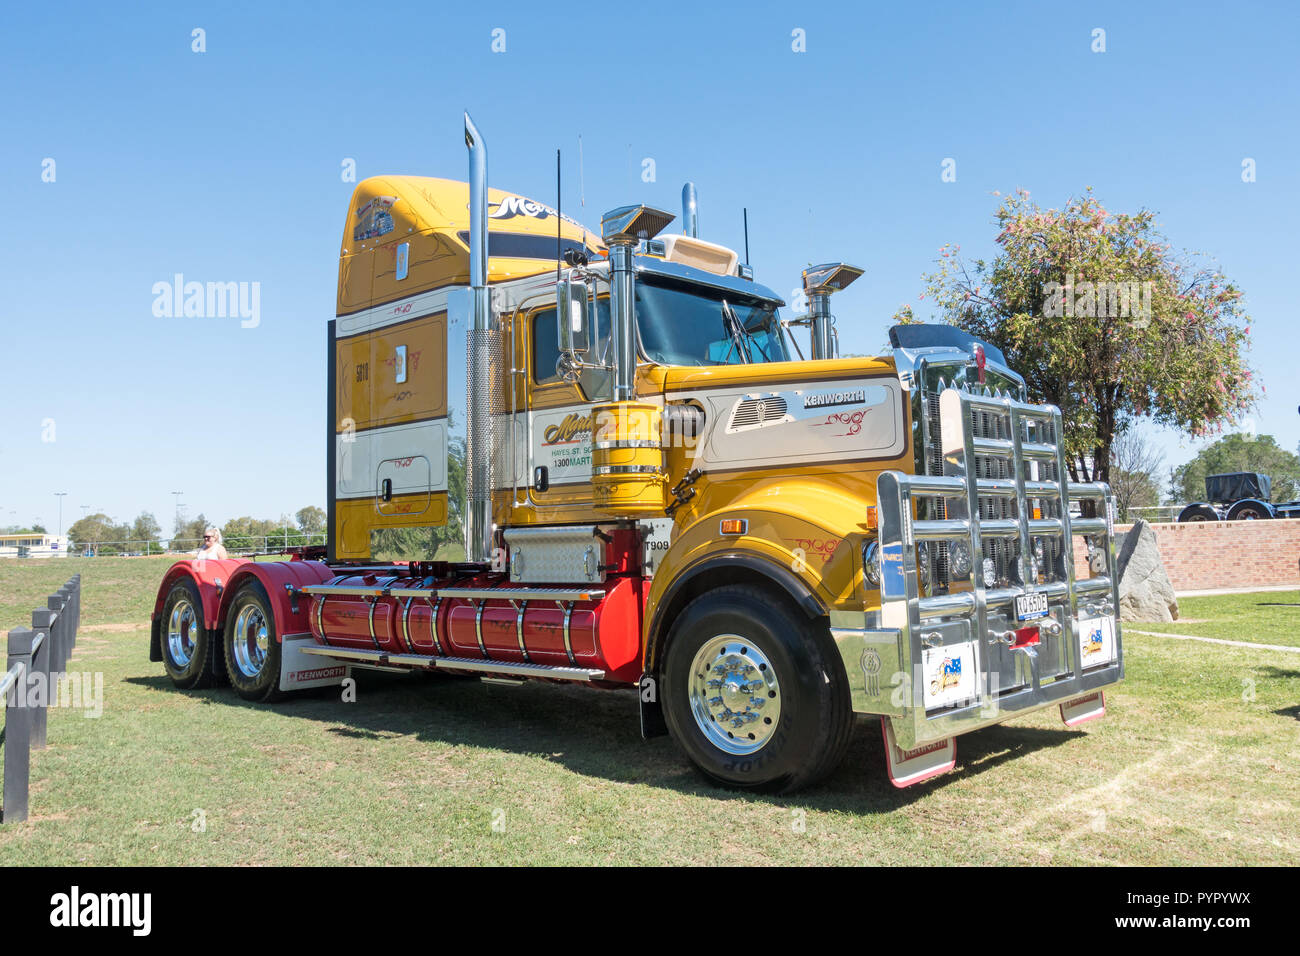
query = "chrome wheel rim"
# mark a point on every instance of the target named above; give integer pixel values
(734, 694)
(182, 633)
(250, 641)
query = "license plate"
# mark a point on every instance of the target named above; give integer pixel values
(1030, 606)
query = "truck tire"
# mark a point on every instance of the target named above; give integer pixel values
(777, 716)
(1198, 512)
(1249, 509)
(189, 650)
(252, 650)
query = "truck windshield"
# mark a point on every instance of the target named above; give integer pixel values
(689, 325)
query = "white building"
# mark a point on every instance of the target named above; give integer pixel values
(33, 545)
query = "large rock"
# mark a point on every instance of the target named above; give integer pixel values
(1145, 591)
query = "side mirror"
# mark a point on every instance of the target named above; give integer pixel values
(573, 315)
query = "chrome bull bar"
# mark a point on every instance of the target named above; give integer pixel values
(942, 664)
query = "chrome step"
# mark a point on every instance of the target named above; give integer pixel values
(479, 665)
(477, 594)
(523, 594)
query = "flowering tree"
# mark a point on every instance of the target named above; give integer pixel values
(1102, 321)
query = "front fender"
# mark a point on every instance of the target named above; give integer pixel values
(804, 534)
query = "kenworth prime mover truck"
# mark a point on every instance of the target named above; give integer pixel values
(609, 462)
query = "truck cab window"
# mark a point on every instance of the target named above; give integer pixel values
(546, 351)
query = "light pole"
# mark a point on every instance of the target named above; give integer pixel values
(60, 495)
(176, 525)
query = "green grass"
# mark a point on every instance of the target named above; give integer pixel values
(1197, 762)
(1262, 617)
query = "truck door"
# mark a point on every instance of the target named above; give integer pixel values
(558, 430)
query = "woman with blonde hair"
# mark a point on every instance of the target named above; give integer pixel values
(212, 547)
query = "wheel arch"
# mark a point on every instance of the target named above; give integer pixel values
(279, 579)
(218, 581)
(1194, 508)
(208, 577)
(714, 571)
(1238, 506)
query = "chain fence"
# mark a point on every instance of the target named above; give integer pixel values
(235, 545)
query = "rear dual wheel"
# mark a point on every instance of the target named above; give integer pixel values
(189, 650)
(251, 649)
(753, 691)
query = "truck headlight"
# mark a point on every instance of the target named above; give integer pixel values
(923, 566)
(871, 563)
(959, 558)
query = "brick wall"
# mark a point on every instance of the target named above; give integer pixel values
(1223, 554)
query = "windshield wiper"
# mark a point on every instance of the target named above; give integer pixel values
(739, 335)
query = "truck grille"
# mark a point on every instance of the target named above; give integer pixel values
(1003, 553)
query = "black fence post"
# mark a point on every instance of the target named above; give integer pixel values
(65, 597)
(18, 729)
(76, 606)
(44, 625)
(56, 644)
(56, 603)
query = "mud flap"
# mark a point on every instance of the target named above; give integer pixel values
(1083, 709)
(652, 713)
(908, 767)
(299, 671)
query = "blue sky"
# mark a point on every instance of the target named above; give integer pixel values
(225, 166)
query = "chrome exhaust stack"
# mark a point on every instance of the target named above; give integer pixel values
(622, 229)
(480, 450)
(818, 284)
(690, 211)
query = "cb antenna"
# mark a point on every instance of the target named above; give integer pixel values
(582, 195)
(559, 219)
(746, 211)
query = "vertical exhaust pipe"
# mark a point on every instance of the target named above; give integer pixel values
(690, 211)
(479, 450)
(819, 282)
(622, 229)
(478, 207)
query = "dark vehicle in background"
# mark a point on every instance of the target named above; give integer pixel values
(1239, 496)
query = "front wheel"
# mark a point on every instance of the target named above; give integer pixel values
(753, 692)
(252, 651)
